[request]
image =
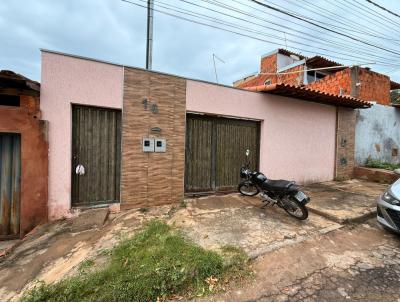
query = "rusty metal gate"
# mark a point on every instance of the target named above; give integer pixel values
(10, 184)
(215, 151)
(96, 155)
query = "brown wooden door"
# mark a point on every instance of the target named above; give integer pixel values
(96, 145)
(215, 151)
(10, 184)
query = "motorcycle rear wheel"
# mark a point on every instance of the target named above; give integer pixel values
(294, 208)
(247, 188)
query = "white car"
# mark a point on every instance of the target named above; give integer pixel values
(388, 207)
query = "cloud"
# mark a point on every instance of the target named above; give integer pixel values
(115, 31)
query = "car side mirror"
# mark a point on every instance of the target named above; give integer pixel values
(397, 171)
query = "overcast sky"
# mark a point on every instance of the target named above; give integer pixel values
(115, 31)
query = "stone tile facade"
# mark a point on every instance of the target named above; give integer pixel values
(152, 100)
(345, 143)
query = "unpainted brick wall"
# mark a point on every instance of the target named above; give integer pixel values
(295, 79)
(25, 120)
(345, 143)
(269, 65)
(149, 179)
(339, 82)
(374, 87)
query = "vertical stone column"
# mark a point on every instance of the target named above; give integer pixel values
(345, 142)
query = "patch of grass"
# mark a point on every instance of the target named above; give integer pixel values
(183, 204)
(373, 163)
(85, 265)
(156, 263)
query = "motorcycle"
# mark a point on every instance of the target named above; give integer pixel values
(285, 194)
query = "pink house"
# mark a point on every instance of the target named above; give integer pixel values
(120, 134)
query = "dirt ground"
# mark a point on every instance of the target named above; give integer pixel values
(355, 263)
(317, 256)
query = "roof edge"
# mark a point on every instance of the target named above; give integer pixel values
(302, 92)
(135, 67)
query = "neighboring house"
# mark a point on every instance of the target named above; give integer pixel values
(23, 156)
(106, 119)
(377, 129)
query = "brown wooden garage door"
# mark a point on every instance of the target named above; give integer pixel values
(215, 151)
(96, 145)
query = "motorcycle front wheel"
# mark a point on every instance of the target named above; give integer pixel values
(247, 188)
(294, 208)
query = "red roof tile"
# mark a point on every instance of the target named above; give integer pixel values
(304, 93)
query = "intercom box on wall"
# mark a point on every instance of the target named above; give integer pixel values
(160, 145)
(148, 145)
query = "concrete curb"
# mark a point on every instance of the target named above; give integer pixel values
(357, 219)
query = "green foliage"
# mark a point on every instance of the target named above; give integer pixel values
(373, 163)
(157, 262)
(395, 96)
(85, 265)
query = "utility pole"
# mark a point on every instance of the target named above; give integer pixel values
(149, 42)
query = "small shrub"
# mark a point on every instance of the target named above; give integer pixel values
(374, 163)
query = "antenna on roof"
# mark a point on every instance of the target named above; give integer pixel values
(215, 67)
(284, 34)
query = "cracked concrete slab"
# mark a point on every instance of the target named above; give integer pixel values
(343, 202)
(215, 221)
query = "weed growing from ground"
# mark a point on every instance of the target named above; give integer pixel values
(156, 263)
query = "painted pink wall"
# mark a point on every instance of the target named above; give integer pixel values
(66, 80)
(297, 137)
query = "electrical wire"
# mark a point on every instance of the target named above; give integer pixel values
(238, 33)
(316, 40)
(323, 27)
(352, 7)
(341, 20)
(383, 8)
(314, 69)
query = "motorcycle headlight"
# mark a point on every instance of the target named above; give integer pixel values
(390, 199)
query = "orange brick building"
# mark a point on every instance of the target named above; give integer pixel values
(283, 66)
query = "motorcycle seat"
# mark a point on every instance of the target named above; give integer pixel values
(277, 185)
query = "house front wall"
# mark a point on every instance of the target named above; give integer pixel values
(297, 137)
(66, 81)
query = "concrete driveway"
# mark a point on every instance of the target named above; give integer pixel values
(215, 221)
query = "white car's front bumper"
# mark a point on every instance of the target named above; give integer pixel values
(388, 215)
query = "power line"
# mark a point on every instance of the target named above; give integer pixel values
(314, 69)
(342, 20)
(317, 39)
(218, 21)
(240, 34)
(383, 8)
(323, 27)
(374, 12)
(269, 14)
(352, 5)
